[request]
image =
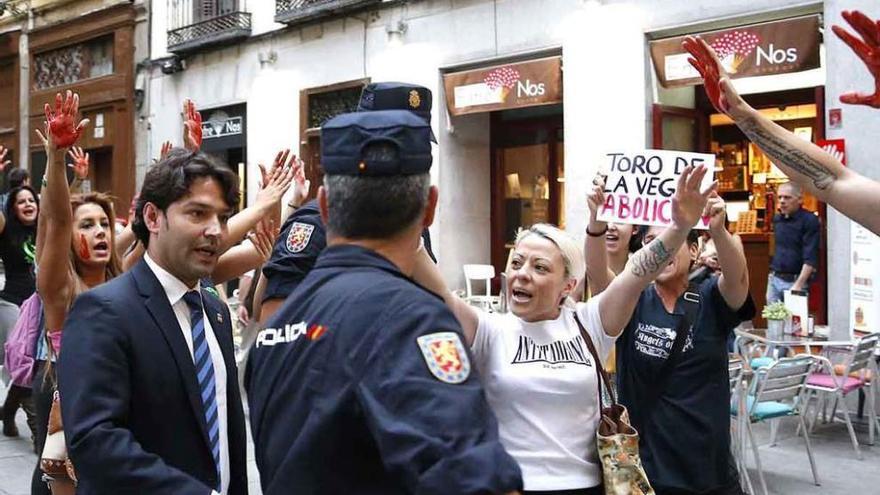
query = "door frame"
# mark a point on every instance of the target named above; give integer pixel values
(498, 217)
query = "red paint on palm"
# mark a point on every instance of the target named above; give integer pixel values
(867, 48)
(192, 123)
(707, 65)
(63, 127)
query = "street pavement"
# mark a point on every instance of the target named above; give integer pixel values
(17, 461)
(786, 467)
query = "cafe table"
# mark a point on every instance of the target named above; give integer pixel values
(817, 341)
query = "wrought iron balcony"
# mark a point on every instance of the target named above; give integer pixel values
(296, 11)
(202, 23)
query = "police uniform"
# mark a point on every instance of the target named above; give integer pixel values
(361, 383)
(301, 240)
(302, 236)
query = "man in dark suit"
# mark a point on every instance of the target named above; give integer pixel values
(149, 395)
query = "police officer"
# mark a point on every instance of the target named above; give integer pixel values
(302, 235)
(360, 384)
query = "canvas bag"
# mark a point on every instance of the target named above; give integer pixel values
(616, 439)
(21, 344)
(54, 462)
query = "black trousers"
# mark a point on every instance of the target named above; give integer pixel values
(596, 490)
(19, 397)
(42, 400)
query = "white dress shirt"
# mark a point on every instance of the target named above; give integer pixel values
(175, 290)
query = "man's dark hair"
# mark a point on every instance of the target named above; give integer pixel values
(375, 207)
(170, 180)
(17, 177)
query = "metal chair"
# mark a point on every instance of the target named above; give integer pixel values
(837, 382)
(736, 370)
(778, 391)
(756, 352)
(480, 273)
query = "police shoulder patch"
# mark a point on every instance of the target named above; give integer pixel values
(445, 356)
(299, 236)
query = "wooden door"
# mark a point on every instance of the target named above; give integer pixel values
(680, 129)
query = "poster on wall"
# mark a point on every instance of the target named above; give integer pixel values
(778, 47)
(864, 299)
(835, 148)
(640, 185)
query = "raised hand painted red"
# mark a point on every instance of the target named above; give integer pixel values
(867, 48)
(706, 63)
(192, 126)
(62, 120)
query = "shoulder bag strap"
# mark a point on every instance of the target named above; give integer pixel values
(600, 366)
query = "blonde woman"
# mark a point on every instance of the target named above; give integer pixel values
(538, 373)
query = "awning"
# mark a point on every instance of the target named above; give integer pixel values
(502, 87)
(779, 47)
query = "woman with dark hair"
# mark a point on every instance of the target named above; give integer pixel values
(18, 232)
(672, 359)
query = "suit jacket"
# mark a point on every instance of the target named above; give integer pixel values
(132, 413)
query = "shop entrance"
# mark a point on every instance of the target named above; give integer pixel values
(527, 174)
(224, 134)
(748, 180)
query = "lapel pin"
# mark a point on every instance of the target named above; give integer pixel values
(219, 318)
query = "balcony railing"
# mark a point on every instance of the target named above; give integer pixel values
(295, 11)
(195, 24)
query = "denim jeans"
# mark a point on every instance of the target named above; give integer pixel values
(776, 288)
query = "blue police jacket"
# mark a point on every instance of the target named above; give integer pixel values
(361, 384)
(301, 240)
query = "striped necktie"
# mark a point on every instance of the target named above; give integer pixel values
(204, 373)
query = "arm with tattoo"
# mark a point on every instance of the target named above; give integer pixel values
(821, 174)
(796, 157)
(650, 259)
(851, 193)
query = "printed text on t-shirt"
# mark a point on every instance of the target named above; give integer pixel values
(559, 351)
(657, 342)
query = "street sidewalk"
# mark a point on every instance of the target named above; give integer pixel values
(17, 461)
(785, 466)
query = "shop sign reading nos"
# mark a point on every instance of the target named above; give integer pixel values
(778, 47)
(230, 126)
(640, 185)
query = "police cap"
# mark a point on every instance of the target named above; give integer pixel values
(397, 96)
(344, 139)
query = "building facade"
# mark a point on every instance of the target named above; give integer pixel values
(528, 98)
(88, 46)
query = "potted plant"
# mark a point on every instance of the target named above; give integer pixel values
(776, 314)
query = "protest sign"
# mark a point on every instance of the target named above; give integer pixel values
(640, 185)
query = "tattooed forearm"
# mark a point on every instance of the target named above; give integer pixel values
(649, 260)
(782, 153)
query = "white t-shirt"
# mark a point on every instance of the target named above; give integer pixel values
(541, 382)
